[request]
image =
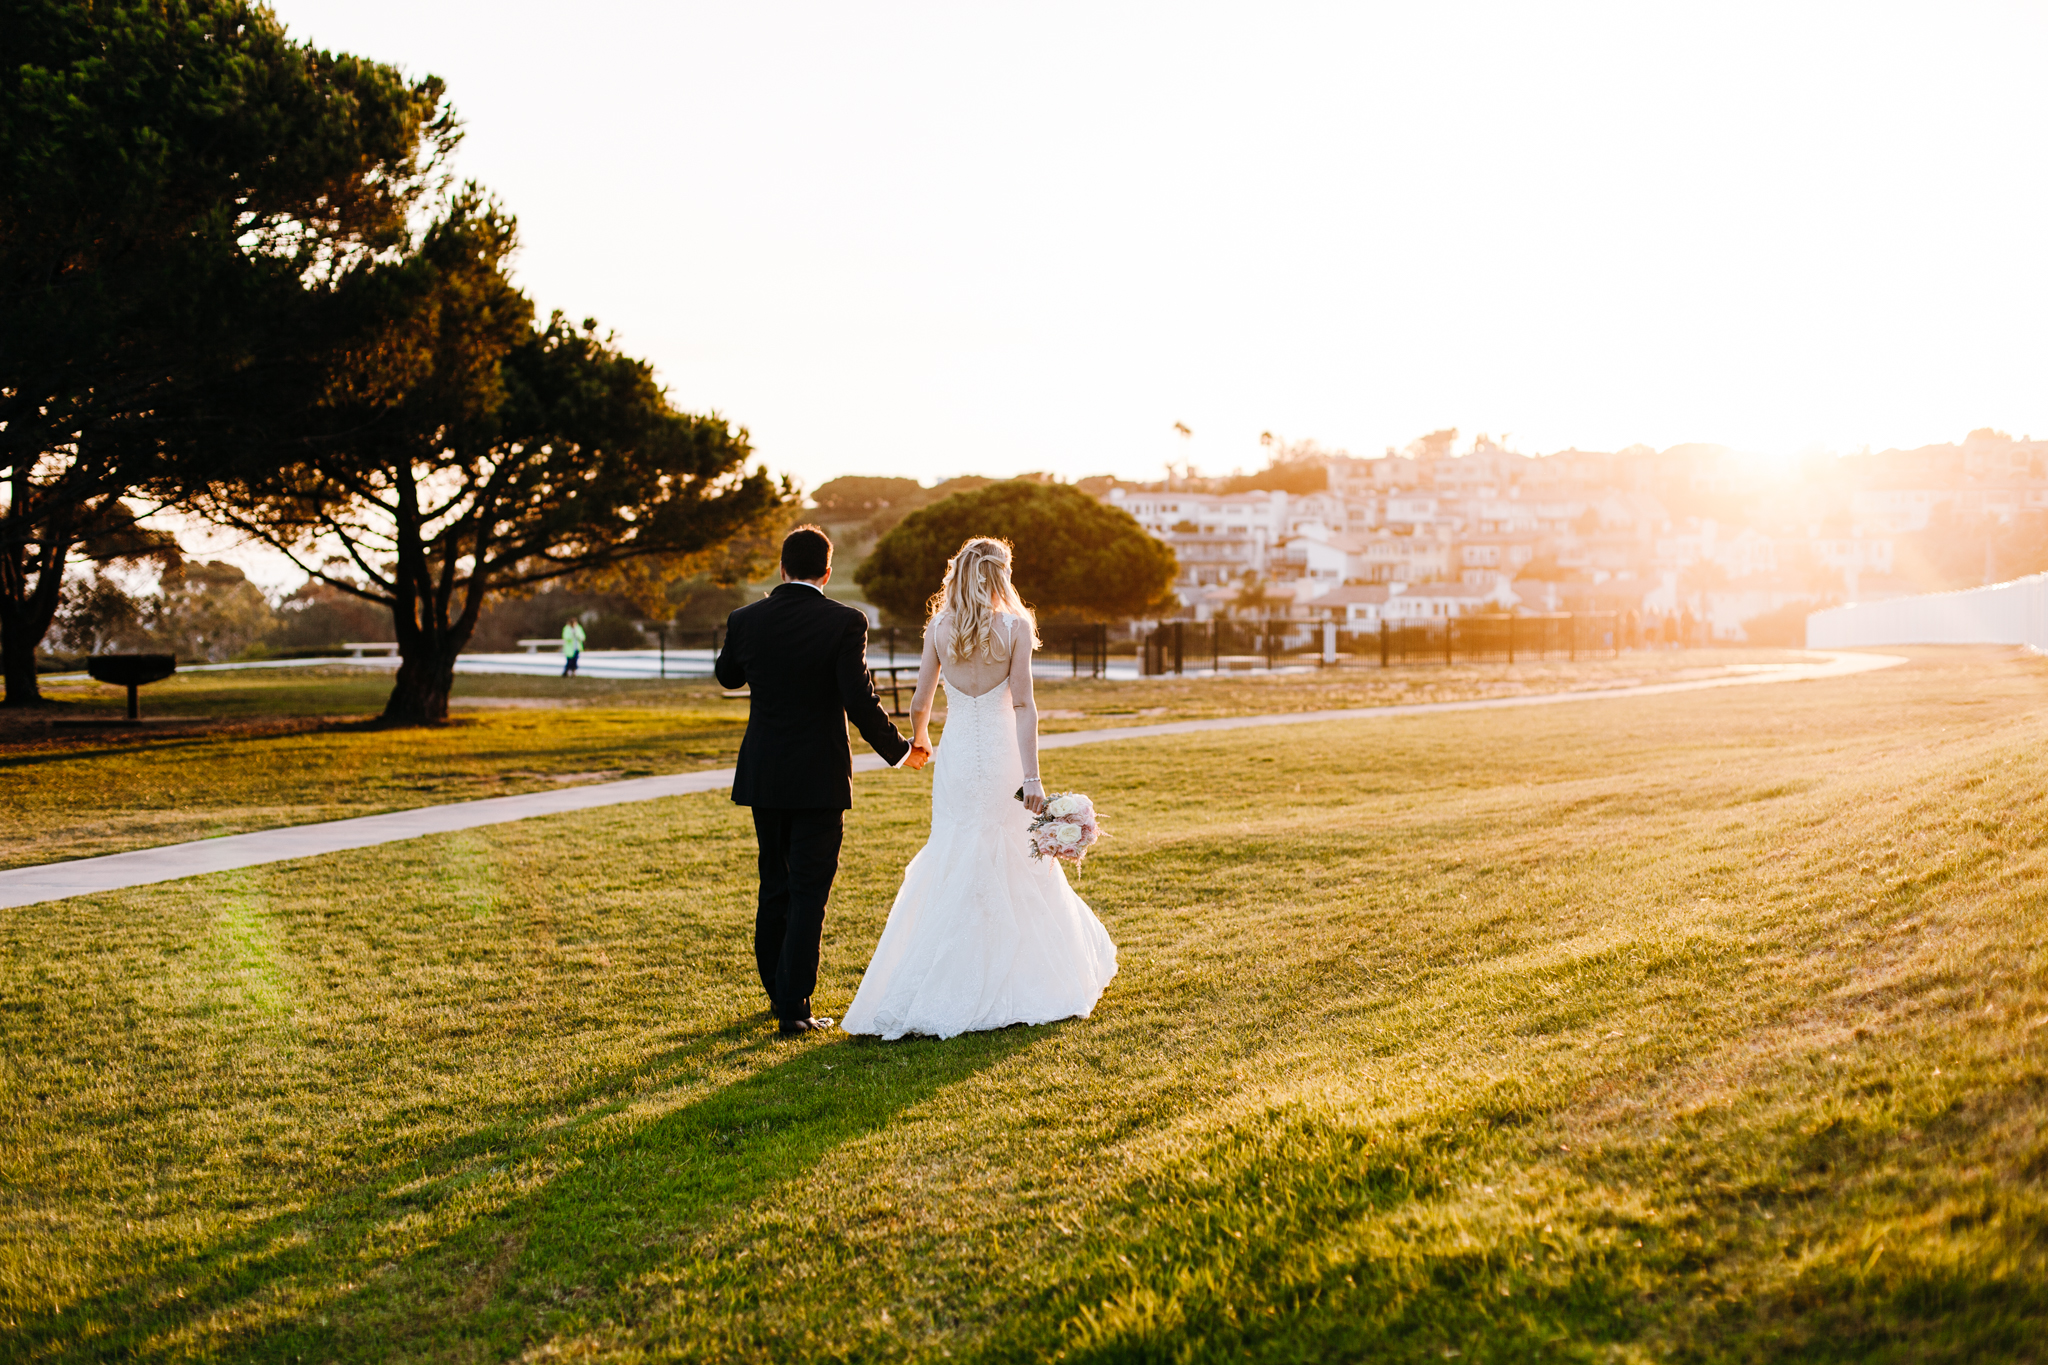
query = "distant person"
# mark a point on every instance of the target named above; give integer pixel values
(803, 659)
(572, 647)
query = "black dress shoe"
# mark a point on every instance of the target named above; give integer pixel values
(793, 1028)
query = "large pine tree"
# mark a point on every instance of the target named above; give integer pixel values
(183, 190)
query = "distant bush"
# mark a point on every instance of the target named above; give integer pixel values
(701, 604)
(507, 620)
(318, 617)
(613, 632)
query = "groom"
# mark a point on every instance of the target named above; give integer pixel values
(803, 659)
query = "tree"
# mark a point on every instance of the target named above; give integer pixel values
(208, 611)
(881, 501)
(1072, 554)
(863, 505)
(181, 189)
(1299, 476)
(1300, 467)
(1254, 600)
(95, 614)
(852, 496)
(965, 483)
(467, 451)
(1435, 446)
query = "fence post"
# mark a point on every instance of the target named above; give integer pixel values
(1269, 643)
(1101, 651)
(1329, 643)
(1571, 637)
(1447, 639)
(1074, 644)
(1179, 642)
(1383, 642)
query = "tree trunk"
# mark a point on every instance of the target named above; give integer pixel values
(426, 673)
(24, 621)
(18, 657)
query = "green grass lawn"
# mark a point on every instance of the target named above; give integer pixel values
(300, 747)
(1199, 694)
(271, 747)
(1709, 1027)
(354, 692)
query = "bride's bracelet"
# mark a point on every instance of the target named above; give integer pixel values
(1033, 779)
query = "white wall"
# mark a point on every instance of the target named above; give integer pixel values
(2014, 613)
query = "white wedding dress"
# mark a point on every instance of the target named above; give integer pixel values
(982, 934)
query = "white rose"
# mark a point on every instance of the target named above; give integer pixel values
(1065, 805)
(1068, 834)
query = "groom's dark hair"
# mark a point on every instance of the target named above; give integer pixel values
(807, 553)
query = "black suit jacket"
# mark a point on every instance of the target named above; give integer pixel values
(804, 660)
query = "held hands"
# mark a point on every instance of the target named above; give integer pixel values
(919, 755)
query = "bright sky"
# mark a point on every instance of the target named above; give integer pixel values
(963, 237)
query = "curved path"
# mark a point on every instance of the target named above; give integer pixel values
(116, 871)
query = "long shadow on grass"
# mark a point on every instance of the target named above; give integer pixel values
(309, 1283)
(88, 746)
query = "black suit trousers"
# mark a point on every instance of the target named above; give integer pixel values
(799, 858)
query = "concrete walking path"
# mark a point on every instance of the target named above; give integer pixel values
(118, 871)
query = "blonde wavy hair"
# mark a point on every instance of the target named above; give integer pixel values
(976, 590)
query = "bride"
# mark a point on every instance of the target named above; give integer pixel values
(982, 934)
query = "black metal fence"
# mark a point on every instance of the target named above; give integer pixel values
(1503, 636)
(1085, 647)
(1214, 646)
(668, 637)
(1180, 647)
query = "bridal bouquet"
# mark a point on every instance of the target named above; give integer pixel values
(1066, 829)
